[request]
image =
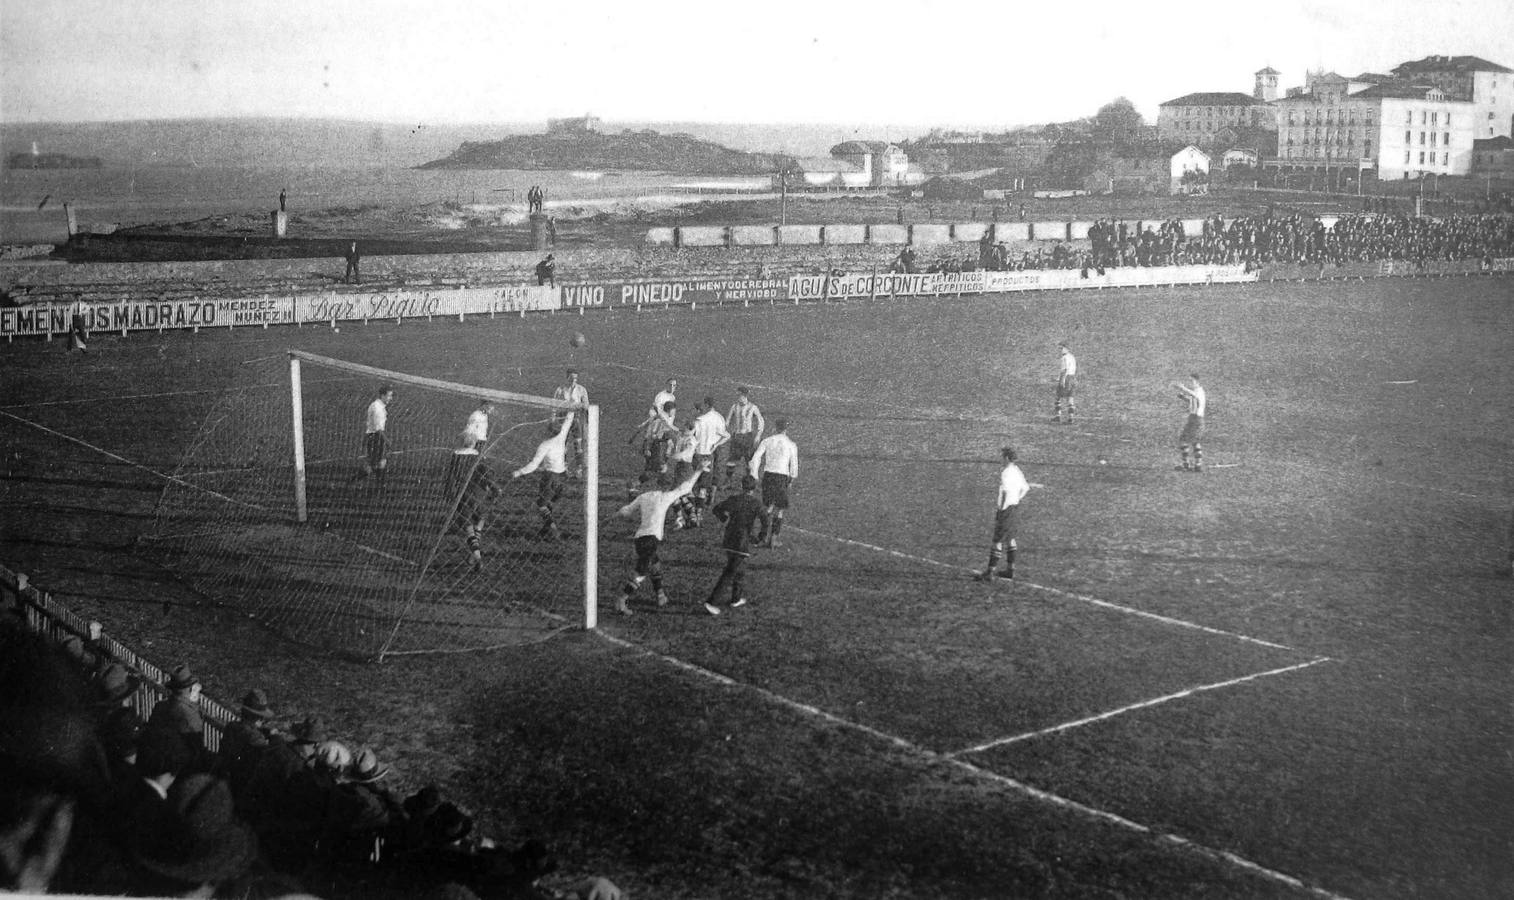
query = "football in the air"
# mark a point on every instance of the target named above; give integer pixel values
(578, 339)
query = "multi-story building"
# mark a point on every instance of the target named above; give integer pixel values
(1195, 118)
(1401, 130)
(1487, 85)
(1493, 157)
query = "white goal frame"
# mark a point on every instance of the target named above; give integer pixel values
(591, 448)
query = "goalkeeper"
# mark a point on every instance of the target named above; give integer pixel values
(551, 460)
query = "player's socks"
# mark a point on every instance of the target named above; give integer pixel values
(1009, 565)
(1198, 458)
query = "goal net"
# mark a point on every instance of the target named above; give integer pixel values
(293, 506)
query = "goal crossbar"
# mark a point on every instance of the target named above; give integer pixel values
(435, 383)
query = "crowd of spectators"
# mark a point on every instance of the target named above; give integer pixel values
(97, 801)
(1252, 241)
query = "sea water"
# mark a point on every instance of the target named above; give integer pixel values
(31, 200)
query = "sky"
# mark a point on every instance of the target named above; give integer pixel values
(906, 62)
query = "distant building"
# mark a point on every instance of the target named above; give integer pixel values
(887, 165)
(1487, 85)
(1161, 171)
(1266, 85)
(1493, 157)
(578, 125)
(1402, 130)
(830, 172)
(1195, 118)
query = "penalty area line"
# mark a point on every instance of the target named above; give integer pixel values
(1128, 610)
(1005, 781)
(1144, 704)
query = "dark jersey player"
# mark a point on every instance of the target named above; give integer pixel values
(739, 513)
(473, 506)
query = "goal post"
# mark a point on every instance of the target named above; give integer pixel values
(419, 540)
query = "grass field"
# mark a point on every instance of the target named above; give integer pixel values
(1288, 677)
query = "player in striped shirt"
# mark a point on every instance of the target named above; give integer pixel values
(1067, 382)
(776, 466)
(650, 511)
(746, 424)
(375, 443)
(1193, 427)
(551, 460)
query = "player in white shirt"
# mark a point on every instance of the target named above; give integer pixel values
(775, 465)
(375, 440)
(1012, 489)
(710, 435)
(663, 398)
(650, 511)
(746, 425)
(1067, 382)
(1193, 427)
(551, 460)
(573, 392)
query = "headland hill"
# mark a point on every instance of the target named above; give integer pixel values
(581, 144)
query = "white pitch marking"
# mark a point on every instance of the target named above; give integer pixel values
(1004, 780)
(1415, 381)
(1128, 610)
(1225, 466)
(1156, 701)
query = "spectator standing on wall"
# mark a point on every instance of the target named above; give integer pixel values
(281, 199)
(78, 330)
(353, 257)
(546, 272)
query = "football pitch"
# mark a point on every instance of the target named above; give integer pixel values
(1287, 677)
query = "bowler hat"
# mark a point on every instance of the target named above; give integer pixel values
(367, 767)
(116, 684)
(181, 678)
(255, 704)
(199, 839)
(310, 731)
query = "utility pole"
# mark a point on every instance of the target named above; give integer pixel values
(783, 196)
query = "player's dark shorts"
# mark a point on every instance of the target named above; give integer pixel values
(775, 490)
(1006, 524)
(742, 447)
(374, 447)
(1193, 429)
(681, 471)
(646, 553)
(1066, 385)
(549, 488)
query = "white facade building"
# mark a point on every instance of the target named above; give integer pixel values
(1487, 85)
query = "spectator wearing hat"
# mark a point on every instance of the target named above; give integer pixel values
(263, 798)
(119, 734)
(179, 713)
(115, 686)
(546, 272)
(243, 743)
(197, 845)
(140, 797)
(52, 764)
(360, 813)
